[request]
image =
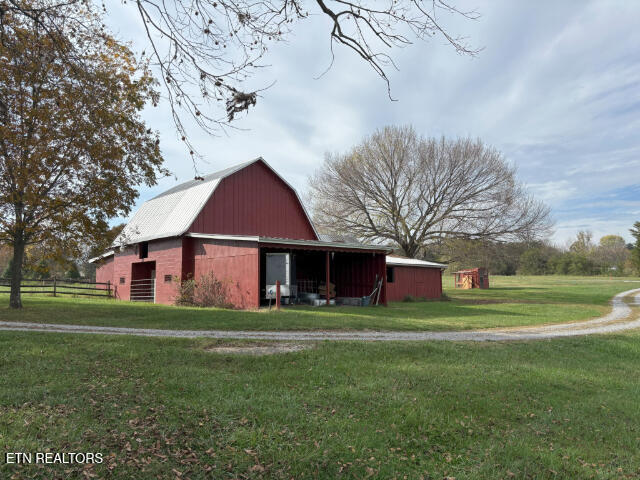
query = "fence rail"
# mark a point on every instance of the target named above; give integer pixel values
(60, 286)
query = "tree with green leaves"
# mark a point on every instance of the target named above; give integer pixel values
(40, 270)
(635, 251)
(73, 146)
(72, 272)
(583, 244)
(534, 261)
(611, 254)
(6, 274)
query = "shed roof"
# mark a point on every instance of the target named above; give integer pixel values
(106, 254)
(412, 262)
(171, 213)
(294, 243)
(471, 270)
(336, 238)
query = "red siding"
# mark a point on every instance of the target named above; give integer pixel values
(167, 255)
(235, 263)
(254, 201)
(418, 282)
(355, 274)
(104, 273)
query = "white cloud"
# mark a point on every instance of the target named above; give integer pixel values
(556, 88)
(567, 230)
(553, 192)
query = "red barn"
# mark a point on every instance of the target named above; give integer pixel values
(411, 277)
(248, 226)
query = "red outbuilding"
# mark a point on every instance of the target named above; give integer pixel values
(409, 277)
(248, 226)
(471, 278)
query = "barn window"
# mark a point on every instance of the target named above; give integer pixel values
(121, 280)
(168, 278)
(143, 249)
(390, 275)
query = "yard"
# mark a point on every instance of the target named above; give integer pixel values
(511, 301)
(172, 408)
(551, 409)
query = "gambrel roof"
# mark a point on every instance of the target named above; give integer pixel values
(171, 213)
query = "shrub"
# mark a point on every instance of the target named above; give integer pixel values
(7, 271)
(533, 262)
(581, 265)
(186, 292)
(409, 298)
(559, 264)
(207, 291)
(72, 273)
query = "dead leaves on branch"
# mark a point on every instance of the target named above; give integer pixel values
(239, 102)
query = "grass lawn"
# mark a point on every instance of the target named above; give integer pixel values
(511, 301)
(166, 408)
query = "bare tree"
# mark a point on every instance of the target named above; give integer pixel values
(204, 50)
(398, 187)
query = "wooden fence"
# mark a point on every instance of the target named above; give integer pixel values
(60, 286)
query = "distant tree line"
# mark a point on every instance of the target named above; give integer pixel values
(611, 255)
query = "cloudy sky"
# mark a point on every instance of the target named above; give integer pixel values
(556, 88)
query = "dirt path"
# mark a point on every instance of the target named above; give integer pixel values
(621, 318)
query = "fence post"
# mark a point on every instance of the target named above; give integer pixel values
(277, 294)
(109, 288)
(54, 286)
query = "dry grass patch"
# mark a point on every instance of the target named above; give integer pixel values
(257, 348)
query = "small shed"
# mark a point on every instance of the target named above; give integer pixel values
(471, 278)
(412, 277)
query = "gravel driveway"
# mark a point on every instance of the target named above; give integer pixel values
(618, 320)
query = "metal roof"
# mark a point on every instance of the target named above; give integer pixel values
(100, 257)
(335, 238)
(290, 241)
(412, 262)
(171, 213)
(208, 178)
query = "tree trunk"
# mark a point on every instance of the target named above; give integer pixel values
(409, 249)
(16, 272)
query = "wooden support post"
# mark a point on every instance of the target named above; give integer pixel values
(109, 288)
(54, 286)
(384, 280)
(327, 281)
(277, 294)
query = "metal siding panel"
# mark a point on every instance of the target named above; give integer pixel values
(181, 208)
(275, 210)
(235, 263)
(416, 281)
(236, 203)
(104, 273)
